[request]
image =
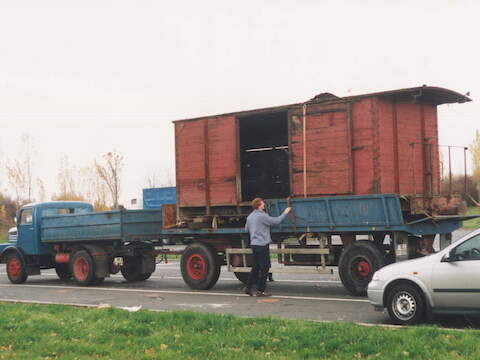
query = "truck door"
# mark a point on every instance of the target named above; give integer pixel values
(26, 232)
(456, 283)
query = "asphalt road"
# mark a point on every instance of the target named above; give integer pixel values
(303, 296)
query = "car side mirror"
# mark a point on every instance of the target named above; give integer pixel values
(448, 257)
(15, 220)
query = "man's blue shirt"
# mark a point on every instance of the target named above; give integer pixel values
(258, 226)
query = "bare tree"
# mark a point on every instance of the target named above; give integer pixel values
(93, 187)
(17, 179)
(66, 178)
(109, 170)
(41, 193)
(20, 172)
(159, 179)
(475, 151)
(151, 180)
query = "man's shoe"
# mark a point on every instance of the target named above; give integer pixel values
(263, 294)
(248, 292)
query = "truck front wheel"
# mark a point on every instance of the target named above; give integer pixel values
(16, 271)
(358, 263)
(200, 267)
(82, 268)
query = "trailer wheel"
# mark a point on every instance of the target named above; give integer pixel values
(63, 271)
(16, 271)
(82, 268)
(132, 270)
(242, 276)
(405, 305)
(358, 263)
(98, 281)
(200, 267)
(144, 276)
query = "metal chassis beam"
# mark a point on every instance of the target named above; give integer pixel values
(244, 251)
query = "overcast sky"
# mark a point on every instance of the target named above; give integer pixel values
(86, 77)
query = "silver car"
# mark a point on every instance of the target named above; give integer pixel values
(444, 282)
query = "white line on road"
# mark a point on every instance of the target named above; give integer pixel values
(183, 292)
(220, 279)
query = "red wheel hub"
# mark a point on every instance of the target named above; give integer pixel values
(14, 267)
(363, 268)
(196, 267)
(81, 268)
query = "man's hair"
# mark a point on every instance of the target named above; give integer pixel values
(256, 203)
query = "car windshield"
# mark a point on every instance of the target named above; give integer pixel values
(65, 211)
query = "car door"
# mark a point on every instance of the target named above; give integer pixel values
(456, 278)
(26, 232)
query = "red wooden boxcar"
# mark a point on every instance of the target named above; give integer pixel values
(384, 142)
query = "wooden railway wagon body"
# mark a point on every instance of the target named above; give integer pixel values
(379, 143)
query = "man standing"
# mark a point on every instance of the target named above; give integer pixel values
(258, 226)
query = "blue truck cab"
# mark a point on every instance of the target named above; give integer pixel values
(82, 244)
(28, 252)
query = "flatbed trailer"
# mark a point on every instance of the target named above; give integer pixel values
(89, 246)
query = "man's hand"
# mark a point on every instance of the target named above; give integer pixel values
(287, 210)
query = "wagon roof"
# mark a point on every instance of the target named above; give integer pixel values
(432, 94)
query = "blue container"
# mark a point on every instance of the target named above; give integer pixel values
(154, 198)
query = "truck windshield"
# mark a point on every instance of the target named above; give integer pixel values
(65, 211)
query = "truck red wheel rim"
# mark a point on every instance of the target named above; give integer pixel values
(363, 268)
(81, 268)
(196, 267)
(14, 267)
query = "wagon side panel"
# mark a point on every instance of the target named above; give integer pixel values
(328, 153)
(363, 147)
(190, 163)
(222, 160)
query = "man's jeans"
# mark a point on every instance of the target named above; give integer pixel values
(260, 266)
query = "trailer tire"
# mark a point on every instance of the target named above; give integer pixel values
(358, 262)
(144, 276)
(97, 281)
(63, 271)
(200, 266)
(132, 270)
(242, 276)
(16, 269)
(82, 267)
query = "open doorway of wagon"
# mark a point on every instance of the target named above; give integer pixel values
(264, 156)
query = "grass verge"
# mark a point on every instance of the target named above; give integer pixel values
(52, 331)
(473, 223)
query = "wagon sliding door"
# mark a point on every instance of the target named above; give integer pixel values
(328, 154)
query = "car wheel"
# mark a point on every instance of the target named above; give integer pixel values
(405, 305)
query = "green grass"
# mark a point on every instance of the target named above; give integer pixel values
(51, 332)
(474, 223)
